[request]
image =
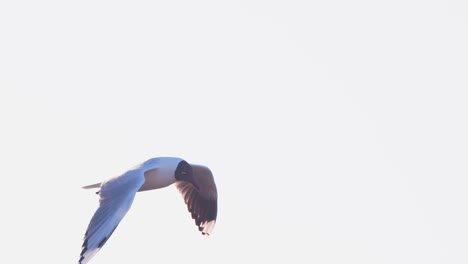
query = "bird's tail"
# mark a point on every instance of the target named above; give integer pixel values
(96, 185)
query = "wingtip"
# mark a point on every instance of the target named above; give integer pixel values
(206, 228)
(86, 256)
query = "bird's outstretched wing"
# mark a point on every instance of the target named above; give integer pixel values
(116, 198)
(201, 203)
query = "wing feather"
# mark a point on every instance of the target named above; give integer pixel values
(116, 198)
(203, 203)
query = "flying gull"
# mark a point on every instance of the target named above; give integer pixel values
(194, 182)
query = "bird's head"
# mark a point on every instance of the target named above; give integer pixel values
(184, 172)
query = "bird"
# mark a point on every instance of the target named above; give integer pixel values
(194, 182)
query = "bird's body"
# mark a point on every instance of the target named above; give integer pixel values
(157, 176)
(195, 182)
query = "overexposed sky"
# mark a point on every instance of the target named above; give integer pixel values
(336, 130)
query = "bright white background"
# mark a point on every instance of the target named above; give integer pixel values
(336, 130)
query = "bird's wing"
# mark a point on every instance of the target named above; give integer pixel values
(116, 198)
(202, 203)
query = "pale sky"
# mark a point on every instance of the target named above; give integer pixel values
(336, 130)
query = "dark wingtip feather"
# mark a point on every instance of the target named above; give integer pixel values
(84, 248)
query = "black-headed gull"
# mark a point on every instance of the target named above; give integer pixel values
(195, 183)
